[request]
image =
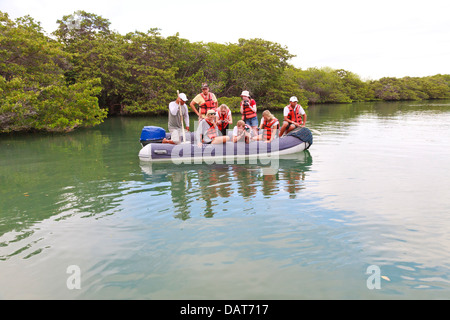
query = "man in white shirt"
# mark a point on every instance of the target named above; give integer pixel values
(294, 116)
(177, 111)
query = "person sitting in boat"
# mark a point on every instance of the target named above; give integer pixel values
(242, 132)
(205, 100)
(224, 118)
(294, 116)
(178, 112)
(208, 132)
(248, 110)
(269, 126)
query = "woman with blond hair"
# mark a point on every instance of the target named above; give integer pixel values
(224, 118)
(269, 125)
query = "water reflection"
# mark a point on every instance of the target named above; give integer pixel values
(217, 184)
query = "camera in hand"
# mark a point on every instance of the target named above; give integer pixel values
(246, 104)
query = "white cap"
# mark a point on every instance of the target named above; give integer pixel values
(245, 93)
(183, 97)
(293, 98)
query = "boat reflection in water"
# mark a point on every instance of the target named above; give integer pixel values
(220, 186)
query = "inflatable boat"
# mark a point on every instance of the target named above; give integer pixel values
(188, 151)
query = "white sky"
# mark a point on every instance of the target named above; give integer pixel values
(373, 39)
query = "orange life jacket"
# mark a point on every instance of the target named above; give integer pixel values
(222, 117)
(294, 115)
(211, 132)
(208, 104)
(247, 113)
(267, 128)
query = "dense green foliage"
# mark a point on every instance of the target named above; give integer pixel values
(84, 70)
(34, 93)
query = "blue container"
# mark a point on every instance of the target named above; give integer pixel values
(152, 134)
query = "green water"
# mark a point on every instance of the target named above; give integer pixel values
(373, 190)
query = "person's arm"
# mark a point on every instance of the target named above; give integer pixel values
(199, 134)
(288, 120)
(261, 124)
(214, 99)
(235, 135)
(173, 108)
(303, 115)
(230, 118)
(252, 104)
(186, 118)
(192, 105)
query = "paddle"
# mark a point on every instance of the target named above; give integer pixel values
(315, 131)
(182, 120)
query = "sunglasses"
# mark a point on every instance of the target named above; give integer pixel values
(211, 114)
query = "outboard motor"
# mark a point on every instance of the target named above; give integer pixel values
(152, 134)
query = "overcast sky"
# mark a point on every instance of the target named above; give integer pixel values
(374, 39)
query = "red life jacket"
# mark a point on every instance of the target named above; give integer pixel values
(294, 115)
(222, 117)
(208, 105)
(211, 132)
(267, 128)
(248, 113)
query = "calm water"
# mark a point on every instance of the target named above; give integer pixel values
(373, 190)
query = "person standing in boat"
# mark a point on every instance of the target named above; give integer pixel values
(269, 126)
(208, 132)
(205, 100)
(178, 112)
(248, 110)
(224, 118)
(294, 116)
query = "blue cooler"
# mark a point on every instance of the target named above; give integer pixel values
(151, 134)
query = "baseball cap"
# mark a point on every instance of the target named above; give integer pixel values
(293, 98)
(183, 97)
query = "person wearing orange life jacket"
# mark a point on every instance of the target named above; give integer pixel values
(248, 110)
(205, 100)
(224, 118)
(208, 132)
(269, 125)
(294, 116)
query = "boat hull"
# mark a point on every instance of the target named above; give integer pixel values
(188, 152)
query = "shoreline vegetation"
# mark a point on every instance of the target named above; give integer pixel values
(84, 72)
